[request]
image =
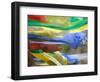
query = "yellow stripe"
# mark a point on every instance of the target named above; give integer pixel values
(47, 58)
(83, 28)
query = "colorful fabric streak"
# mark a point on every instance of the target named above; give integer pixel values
(41, 21)
(53, 39)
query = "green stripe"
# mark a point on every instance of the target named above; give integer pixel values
(76, 25)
